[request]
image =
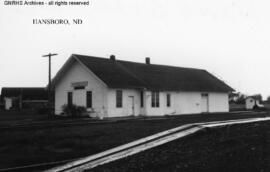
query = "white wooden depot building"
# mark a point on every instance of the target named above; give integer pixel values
(113, 88)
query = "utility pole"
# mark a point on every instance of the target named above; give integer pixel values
(49, 85)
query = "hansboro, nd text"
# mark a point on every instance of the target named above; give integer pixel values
(51, 21)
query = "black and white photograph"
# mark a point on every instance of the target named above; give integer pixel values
(134, 85)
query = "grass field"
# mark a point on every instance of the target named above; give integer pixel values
(15, 116)
(244, 147)
(30, 146)
(237, 107)
(25, 116)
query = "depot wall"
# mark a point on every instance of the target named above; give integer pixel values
(104, 98)
(78, 73)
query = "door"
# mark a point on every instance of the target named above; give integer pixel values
(131, 110)
(205, 103)
(79, 97)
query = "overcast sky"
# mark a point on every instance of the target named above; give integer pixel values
(229, 38)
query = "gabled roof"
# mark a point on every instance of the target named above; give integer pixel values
(27, 93)
(126, 74)
(255, 97)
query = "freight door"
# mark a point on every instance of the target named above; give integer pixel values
(205, 103)
(131, 105)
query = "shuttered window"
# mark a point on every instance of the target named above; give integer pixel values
(119, 98)
(89, 99)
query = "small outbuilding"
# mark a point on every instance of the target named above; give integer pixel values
(253, 101)
(1, 103)
(24, 97)
(108, 87)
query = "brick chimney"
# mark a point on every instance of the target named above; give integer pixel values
(147, 60)
(112, 57)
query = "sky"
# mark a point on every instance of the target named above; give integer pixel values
(229, 38)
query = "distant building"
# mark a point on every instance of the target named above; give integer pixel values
(251, 101)
(1, 102)
(23, 97)
(111, 88)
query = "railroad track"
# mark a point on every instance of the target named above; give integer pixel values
(144, 144)
(43, 166)
(36, 167)
(51, 124)
(74, 122)
(131, 148)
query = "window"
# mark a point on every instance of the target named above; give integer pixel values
(141, 98)
(119, 98)
(69, 97)
(168, 100)
(89, 99)
(155, 99)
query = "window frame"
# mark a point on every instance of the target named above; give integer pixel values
(119, 98)
(155, 102)
(142, 99)
(89, 99)
(69, 98)
(168, 97)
